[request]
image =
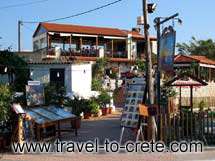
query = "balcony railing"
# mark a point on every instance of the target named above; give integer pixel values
(116, 54)
(89, 53)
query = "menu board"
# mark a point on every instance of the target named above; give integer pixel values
(42, 115)
(134, 96)
(35, 95)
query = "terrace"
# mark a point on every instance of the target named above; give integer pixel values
(89, 42)
(88, 46)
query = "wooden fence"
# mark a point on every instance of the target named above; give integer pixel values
(187, 126)
(209, 101)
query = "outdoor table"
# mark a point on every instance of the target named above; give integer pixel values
(44, 117)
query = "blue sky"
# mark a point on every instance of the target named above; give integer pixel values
(198, 18)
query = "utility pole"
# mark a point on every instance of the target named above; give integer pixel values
(19, 35)
(151, 120)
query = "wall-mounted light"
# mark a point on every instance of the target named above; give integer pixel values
(5, 69)
(58, 74)
(32, 73)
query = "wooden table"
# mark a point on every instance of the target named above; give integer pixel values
(44, 117)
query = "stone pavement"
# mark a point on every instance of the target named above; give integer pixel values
(102, 128)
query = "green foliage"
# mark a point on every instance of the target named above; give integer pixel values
(141, 65)
(198, 47)
(76, 105)
(188, 71)
(96, 84)
(202, 105)
(104, 98)
(5, 100)
(54, 94)
(113, 75)
(17, 66)
(99, 67)
(93, 106)
(98, 72)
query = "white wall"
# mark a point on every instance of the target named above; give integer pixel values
(78, 77)
(204, 91)
(81, 79)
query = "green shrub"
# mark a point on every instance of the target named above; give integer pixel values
(76, 105)
(5, 103)
(94, 106)
(54, 94)
(104, 98)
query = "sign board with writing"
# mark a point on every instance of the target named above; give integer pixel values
(134, 97)
(35, 95)
(33, 83)
(167, 49)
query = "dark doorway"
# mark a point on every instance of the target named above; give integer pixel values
(57, 77)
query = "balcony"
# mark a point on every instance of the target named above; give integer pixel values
(96, 53)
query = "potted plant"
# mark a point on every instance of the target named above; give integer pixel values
(86, 108)
(94, 106)
(104, 99)
(75, 105)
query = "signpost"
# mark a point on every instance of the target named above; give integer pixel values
(134, 96)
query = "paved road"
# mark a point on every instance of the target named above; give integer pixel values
(107, 127)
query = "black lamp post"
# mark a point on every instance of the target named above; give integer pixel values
(158, 22)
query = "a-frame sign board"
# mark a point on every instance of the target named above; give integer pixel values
(134, 96)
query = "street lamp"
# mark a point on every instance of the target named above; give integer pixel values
(151, 7)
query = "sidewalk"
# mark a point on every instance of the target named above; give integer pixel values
(102, 128)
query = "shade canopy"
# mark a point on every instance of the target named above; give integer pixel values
(186, 80)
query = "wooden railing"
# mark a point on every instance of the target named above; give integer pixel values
(89, 53)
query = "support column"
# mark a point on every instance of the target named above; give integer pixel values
(81, 43)
(70, 45)
(199, 71)
(209, 73)
(112, 48)
(97, 44)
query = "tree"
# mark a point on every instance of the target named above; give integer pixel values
(98, 73)
(17, 67)
(198, 47)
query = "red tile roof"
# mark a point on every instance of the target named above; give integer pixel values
(193, 58)
(91, 30)
(83, 29)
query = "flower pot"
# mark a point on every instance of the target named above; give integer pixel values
(110, 110)
(105, 111)
(100, 113)
(87, 115)
(76, 124)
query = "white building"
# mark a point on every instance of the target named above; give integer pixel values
(77, 78)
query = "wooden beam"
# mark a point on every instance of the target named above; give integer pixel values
(97, 44)
(112, 47)
(209, 73)
(81, 43)
(70, 44)
(48, 41)
(199, 71)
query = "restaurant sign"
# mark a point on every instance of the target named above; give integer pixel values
(167, 50)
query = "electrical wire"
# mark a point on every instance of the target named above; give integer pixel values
(78, 14)
(23, 4)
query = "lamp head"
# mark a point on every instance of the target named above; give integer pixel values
(151, 7)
